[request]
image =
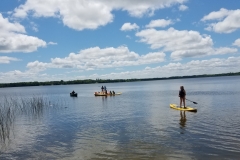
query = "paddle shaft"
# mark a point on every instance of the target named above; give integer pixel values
(191, 101)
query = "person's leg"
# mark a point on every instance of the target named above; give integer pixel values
(180, 102)
(184, 102)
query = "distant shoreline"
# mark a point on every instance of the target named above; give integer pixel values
(90, 81)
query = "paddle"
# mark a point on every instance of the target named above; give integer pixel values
(191, 101)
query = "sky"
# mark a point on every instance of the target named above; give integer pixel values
(53, 40)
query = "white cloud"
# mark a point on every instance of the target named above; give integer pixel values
(7, 26)
(96, 58)
(223, 50)
(152, 57)
(182, 7)
(195, 67)
(26, 76)
(227, 21)
(37, 66)
(127, 36)
(181, 43)
(219, 15)
(82, 14)
(142, 7)
(237, 42)
(75, 14)
(14, 76)
(129, 27)
(52, 43)
(5, 59)
(159, 23)
(34, 26)
(13, 39)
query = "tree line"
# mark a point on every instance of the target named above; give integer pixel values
(89, 81)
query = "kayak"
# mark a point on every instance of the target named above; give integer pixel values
(174, 106)
(104, 94)
(73, 94)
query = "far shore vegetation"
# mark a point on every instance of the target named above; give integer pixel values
(89, 81)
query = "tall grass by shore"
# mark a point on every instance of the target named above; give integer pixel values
(13, 107)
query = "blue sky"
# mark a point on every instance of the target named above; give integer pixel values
(42, 40)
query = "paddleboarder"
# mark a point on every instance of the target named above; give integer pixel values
(182, 95)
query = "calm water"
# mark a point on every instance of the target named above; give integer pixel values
(139, 124)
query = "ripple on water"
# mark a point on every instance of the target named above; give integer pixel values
(218, 134)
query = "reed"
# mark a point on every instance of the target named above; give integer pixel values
(6, 120)
(13, 107)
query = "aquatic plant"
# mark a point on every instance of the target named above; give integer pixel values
(13, 107)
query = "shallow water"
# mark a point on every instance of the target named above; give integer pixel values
(139, 124)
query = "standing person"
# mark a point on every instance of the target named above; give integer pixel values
(105, 88)
(182, 95)
(102, 88)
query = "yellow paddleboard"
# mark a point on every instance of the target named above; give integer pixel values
(174, 106)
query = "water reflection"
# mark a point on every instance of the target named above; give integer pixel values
(183, 120)
(13, 109)
(136, 125)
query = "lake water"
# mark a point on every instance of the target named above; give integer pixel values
(139, 124)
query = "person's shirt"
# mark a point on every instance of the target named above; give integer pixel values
(182, 93)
